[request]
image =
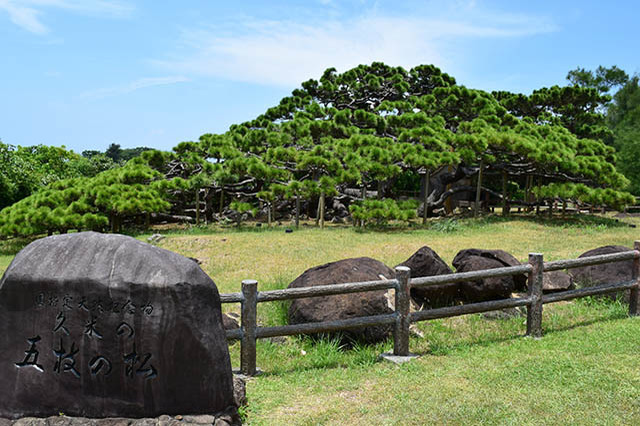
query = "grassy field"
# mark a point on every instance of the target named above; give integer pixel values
(471, 370)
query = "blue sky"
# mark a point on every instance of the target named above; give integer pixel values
(87, 73)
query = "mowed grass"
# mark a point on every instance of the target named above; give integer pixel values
(275, 258)
(471, 370)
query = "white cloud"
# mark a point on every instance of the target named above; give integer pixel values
(26, 13)
(285, 53)
(24, 16)
(131, 87)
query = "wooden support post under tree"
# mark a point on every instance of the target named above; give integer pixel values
(221, 208)
(534, 310)
(425, 201)
(269, 213)
(297, 210)
(527, 190)
(321, 208)
(207, 206)
(248, 325)
(505, 210)
(197, 206)
(538, 199)
(273, 210)
(402, 308)
(476, 210)
(635, 291)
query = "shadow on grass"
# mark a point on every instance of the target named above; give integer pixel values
(572, 220)
(329, 351)
(466, 221)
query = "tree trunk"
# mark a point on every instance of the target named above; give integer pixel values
(321, 206)
(269, 214)
(206, 206)
(538, 199)
(379, 190)
(527, 192)
(197, 206)
(221, 209)
(448, 203)
(505, 210)
(273, 211)
(478, 190)
(147, 220)
(364, 192)
(297, 211)
(425, 202)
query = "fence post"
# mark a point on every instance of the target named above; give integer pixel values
(635, 273)
(248, 322)
(403, 306)
(534, 310)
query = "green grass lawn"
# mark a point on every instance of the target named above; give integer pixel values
(471, 370)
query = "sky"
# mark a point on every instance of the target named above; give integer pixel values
(87, 73)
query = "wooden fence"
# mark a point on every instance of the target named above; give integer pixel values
(401, 318)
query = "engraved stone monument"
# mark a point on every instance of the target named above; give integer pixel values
(98, 325)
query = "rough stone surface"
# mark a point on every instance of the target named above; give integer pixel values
(239, 391)
(98, 325)
(343, 306)
(484, 289)
(501, 256)
(225, 418)
(556, 281)
(426, 263)
(615, 272)
(229, 323)
(339, 209)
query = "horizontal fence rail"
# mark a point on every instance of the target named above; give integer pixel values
(401, 318)
(470, 276)
(589, 261)
(325, 290)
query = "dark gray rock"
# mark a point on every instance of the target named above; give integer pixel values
(239, 391)
(343, 306)
(426, 263)
(225, 418)
(608, 273)
(229, 323)
(504, 313)
(487, 288)
(500, 256)
(339, 210)
(556, 281)
(97, 325)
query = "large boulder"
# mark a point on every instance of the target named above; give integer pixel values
(488, 288)
(501, 256)
(97, 325)
(554, 281)
(343, 306)
(426, 263)
(615, 272)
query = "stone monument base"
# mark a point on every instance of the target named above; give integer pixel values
(225, 418)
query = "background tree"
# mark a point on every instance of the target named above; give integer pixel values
(622, 112)
(108, 199)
